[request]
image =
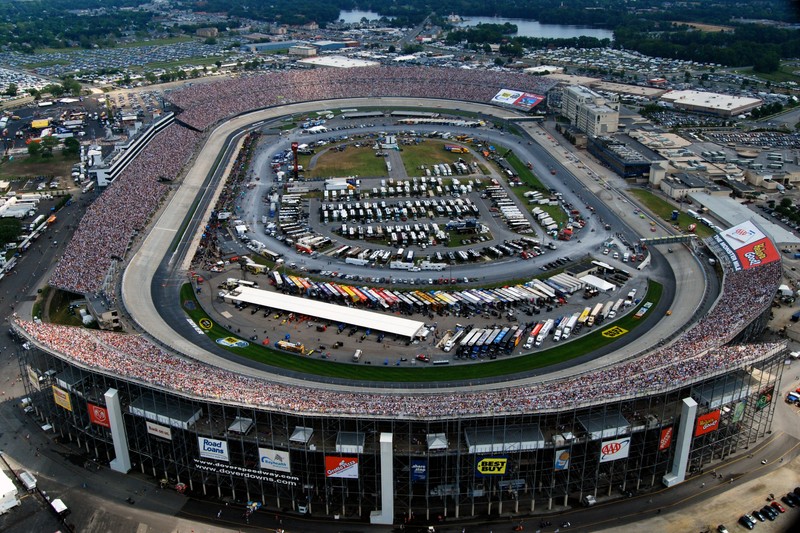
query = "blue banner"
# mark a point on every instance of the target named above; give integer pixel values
(419, 470)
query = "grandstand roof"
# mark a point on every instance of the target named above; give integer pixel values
(337, 61)
(732, 213)
(335, 313)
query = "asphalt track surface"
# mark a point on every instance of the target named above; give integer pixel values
(151, 282)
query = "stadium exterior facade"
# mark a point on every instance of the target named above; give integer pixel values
(450, 466)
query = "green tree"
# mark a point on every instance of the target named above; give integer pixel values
(48, 144)
(769, 61)
(71, 147)
(12, 89)
(786, 202)
(34, 149)
(10, 229)
(392, 49)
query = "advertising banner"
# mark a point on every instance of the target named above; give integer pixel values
(159, 430)
(611, 450)
(665, 440)
(707, 423)
(274, 460)
(213, 448)
(62, 398)
(491, 466)
(98, 415)
(343, 467)
(747, 246)
(518, 99)
(33, 378)
(278, 478)
(419, 470)
(764, 398)
(561, 460)
(738, 412)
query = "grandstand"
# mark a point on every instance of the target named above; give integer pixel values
(351, 449)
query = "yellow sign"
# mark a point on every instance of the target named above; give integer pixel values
(206, 323)
(616, 331)
(62, 398)
(492, 466)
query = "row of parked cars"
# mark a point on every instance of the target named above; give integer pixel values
(772, 511)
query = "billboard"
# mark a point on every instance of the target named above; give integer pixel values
(343, 467)
(707, 423)
(562, 460)
(62, 398)
(517, 99)
(747, 246)
(274, 460)
(419, 470)
(213, 448)
(611, 450)
(159, 430)
(738, 412)
(665, 440)
(491, 466)
(98, 415)
(764, 398)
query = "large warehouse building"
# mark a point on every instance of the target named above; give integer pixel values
(724, 105)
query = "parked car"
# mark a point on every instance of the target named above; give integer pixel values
(778, 507)
(759, 516)
(747, 521)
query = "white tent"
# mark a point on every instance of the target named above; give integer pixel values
(437, 441)
(241, 425)
(600, 284)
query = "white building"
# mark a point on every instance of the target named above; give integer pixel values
(589, 111)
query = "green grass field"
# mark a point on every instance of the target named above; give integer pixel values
(429, 152)
(663, 210)
(351, 162)
(424, 373)
(23, 167)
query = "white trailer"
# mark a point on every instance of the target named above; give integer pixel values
(544, 331)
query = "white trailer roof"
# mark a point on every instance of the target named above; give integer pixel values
(598, 283)
(335, 313)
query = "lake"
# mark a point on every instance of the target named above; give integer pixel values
(532, 28)
(525, 28)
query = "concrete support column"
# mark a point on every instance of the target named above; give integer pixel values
(122, 461)
(683, 444)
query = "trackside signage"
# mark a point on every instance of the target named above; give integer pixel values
(274, 460)
(213, 448)
(343, 467)
(611, 450)
(491, 466)
(223, 469)
(159, 430)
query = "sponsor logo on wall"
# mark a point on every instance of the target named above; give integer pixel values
(561, 460)
(665, 440)
(98, 415)
(611, 450)
(62, 398)
(342, 467)
(213, 448)
(159, 430)
(491, 466)
(274, 460)
(706, 423)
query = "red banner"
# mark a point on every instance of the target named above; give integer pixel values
(707, 423)
(98, 415)
(666, 439)
(344, 467)
(757, 253)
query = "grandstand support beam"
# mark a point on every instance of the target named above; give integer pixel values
(386, 514)
(683, 444)
(122, 462)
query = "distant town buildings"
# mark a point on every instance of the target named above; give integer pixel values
(207, 32)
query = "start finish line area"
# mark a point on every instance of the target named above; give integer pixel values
(337, 314)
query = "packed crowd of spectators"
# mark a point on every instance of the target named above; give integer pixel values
(112, 220)
(207, 103)
(699, 352)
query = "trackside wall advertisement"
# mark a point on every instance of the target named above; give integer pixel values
(419, 470)
(342, 467)
(213, 448)
(62, 398)
(665, 439)
(611, 450)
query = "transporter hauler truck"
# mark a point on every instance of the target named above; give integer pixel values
(615, 308)
(451, 342)
(593, 315)
(570, 325)
(294, 347)
(560, 329)
(606, 310)
(544, 331)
